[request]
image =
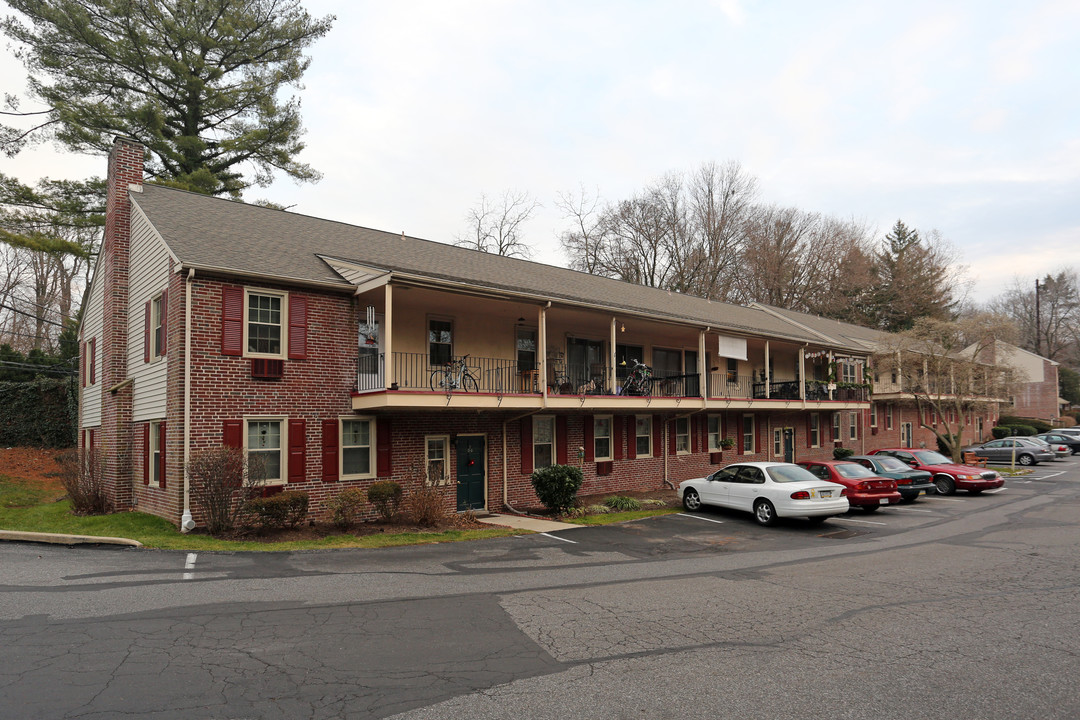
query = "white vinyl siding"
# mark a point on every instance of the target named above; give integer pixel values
(149, 277)
(90, 405)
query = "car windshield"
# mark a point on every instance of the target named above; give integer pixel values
(853, 470)
(891, 464)
(929, 457)
(790, 473)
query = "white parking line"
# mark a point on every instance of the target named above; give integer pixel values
(868, 522)
(1047, 477)
(698, 517)
(190, 565)
(556, 537)
(945, 499)
(931, 512)
(996, 490)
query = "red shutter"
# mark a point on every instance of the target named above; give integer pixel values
(146, 333)
(161, 454)
(330, 450)
(618, 423)
(297, 451)
(658, 436)
(82, 364)
(526, 446)
(560, 439)
(232, 321)
(93, 360)
(232, 433)
(146, 454)
(297, 327)
(164, 321)
(673, 427)
(590, 444)
(384, 461)
(631, 437)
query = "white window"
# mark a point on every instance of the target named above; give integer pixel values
(853, 425)
(836, 436)
(543, 441)
(778, 442)
(602, 437)
(682, 436)
(157, 329)
(888, 416)
(356, 443)
(440, 341)
(265, 328)
(714, 433)
(438, 471)
(847, 372)
(643, 435)
(747, 434)
(873, 414)
(265, 445)
(155, 454)
(815, 430)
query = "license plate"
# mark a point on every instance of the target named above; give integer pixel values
(825, 493)
(884, 501)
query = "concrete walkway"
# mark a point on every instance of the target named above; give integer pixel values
(521, 522)
(62, 539)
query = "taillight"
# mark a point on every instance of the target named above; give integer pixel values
(863, 487)
(903, 482)
(800, 495)
(843, 493)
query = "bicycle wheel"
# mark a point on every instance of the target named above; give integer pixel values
(438, 379)
(469, 384)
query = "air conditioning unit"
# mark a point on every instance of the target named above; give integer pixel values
(267, 368)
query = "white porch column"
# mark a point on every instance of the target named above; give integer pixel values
(388, 350)
(541, 323)
(611, 358)
(802, 374)
(703, 368)
(768, 375)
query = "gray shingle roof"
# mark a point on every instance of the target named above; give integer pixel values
(230, 236)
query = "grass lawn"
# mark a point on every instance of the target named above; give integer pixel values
(28, 506)
(616, 517)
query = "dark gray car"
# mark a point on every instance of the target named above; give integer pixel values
(1001, 451)
(1070, 441)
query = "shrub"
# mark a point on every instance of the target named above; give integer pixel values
(1066, 421)
(591, 510)
(1024, 430)
(942, 448)
(622, 503)
(426, 506)
(82, 474)
(385, 495)
(1040, 426)
(653, 502)
(285, 509)
(557, 485)
(345, 506)
(1000, 431)
(38, 413)
(223, 479)
(841, 453)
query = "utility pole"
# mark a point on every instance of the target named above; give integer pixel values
(1038, 322)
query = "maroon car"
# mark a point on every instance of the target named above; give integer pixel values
(864, 488)
(948, 476)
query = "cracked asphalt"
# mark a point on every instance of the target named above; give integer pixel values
(965, 607)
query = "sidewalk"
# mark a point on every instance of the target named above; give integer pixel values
(520, 522)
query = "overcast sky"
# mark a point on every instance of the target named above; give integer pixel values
(959, 115)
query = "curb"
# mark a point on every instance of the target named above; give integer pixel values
(61, 539)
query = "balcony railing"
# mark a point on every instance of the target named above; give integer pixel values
(676, 386)
(721, 386)
(578, 379)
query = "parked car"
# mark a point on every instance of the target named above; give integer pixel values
(1026, 451)
(1058, 449)
(1059, 438)
(767, 489)
(910, 483)
(864, 489)
(948, 476)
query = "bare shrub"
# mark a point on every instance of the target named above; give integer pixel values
(345, 506)
(223, 480)
(83, 476)
(426, 506)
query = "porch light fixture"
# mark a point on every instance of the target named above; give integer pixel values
(622, 328)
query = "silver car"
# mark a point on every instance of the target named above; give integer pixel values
(1025, 450)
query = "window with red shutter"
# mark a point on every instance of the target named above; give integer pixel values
(161, 455)
(384, 458)
(232, 321)
(147, 455)
(163, 321)
(298, 315)
(93, 360)
(233, 433)
(561, 439)
(297, 450)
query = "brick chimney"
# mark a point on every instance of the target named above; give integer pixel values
(125, 171)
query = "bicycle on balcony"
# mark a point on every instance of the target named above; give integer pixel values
(454, 375)
(638, 381)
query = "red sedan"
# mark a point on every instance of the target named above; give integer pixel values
(865, 489)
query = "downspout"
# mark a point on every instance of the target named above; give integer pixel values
(667, 477)
(505, 471)
(187, 524)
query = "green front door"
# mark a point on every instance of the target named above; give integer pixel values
(471, 451)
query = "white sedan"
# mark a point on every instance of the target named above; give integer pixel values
(767, 489)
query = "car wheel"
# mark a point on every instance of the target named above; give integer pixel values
(764, 512)
(1025, 460)
(945, 485)
(691, 500)
(870, 508)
